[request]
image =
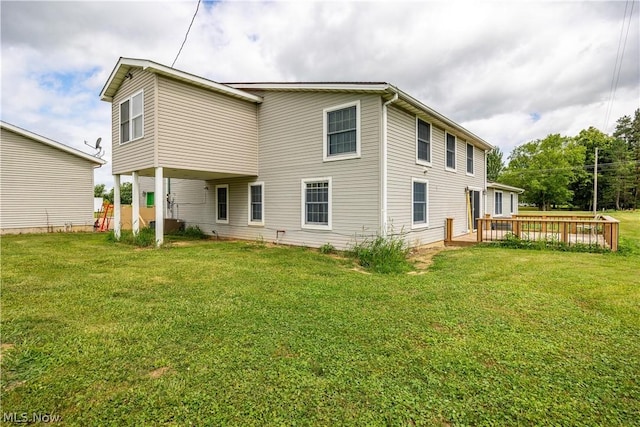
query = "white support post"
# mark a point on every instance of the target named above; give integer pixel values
(159, 200)
(135, 202)
(117, 223)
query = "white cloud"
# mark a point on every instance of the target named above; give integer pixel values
(487, 65)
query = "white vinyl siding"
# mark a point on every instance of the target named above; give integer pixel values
(43, 188)
(342, 131)
(447, 192)
(256, 203)
(450, 149)
(497, 208)
(423, 142)
(205, 131)
(316, 203)
(222, 204)
(470, 168)
(420, 203)
(128, 157)
(132, 118)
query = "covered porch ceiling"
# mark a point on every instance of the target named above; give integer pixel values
(189, 174)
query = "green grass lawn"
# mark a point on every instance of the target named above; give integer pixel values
(214, 333)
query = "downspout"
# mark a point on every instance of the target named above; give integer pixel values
(385, 174)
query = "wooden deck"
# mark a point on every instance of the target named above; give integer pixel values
(601, 231)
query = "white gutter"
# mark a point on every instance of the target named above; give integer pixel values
(385, 196)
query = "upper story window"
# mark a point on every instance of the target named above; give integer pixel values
(469, 159)
(132, 118)
(342, 132)
(316, 203)
(498, 204)
(256, 203)
(423, 143)
(451, 151)
(222, 204)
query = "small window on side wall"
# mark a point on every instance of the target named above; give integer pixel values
(420, 203)
(469, 159)
(342, 132)
(450, 161)
(256, 203)
(132, 118)
(423, 143)
(498, 204)
(222, 204)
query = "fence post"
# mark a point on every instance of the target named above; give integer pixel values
(479, 230)
(565, 231)
(516, 227)
(543, 224)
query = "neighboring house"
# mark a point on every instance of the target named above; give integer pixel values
(300, 163)
(44, 185)
(502, 199)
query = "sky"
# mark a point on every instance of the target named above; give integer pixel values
(510, 72)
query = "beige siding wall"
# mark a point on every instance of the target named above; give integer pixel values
(42, 186)
(203, 130)
(447, 196)
(291, 149)
(138, 154)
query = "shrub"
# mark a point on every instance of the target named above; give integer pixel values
(327, 248)
(193, 232)
(382, 254)
(514, 242)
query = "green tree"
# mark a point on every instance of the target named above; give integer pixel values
(495, 164)
(125, 194)
(582, 185)
(628, 130)
(545, 169)
(98, 190)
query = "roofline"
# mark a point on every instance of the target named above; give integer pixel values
(506, 187)
(154, 67)
(314, 86)
(411, 100)
(51, 143)
(376, 87)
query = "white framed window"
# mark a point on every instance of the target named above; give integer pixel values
(512, 203)
(316, 203)
(497, 208)
(470, 159)
(341, 126)
(132, 118)
(420, 203)
(423, 142)
(222, 204)
(256, 203)
(450, 150)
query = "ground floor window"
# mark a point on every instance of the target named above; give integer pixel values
(420, 206)
(222, 204)
(256, 203)
(316, 203)
(498, 203)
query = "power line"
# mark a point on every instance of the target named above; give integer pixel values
(189, 29)
(617, 67)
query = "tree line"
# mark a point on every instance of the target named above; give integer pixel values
(559, 170)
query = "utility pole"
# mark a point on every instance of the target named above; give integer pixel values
(595, 186)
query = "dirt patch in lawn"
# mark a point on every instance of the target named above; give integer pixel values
(422, 258)
(157, 373)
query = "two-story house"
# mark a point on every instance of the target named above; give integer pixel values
(297, 163)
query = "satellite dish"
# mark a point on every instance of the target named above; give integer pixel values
(99, 151)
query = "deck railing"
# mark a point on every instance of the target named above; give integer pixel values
(602, 231)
